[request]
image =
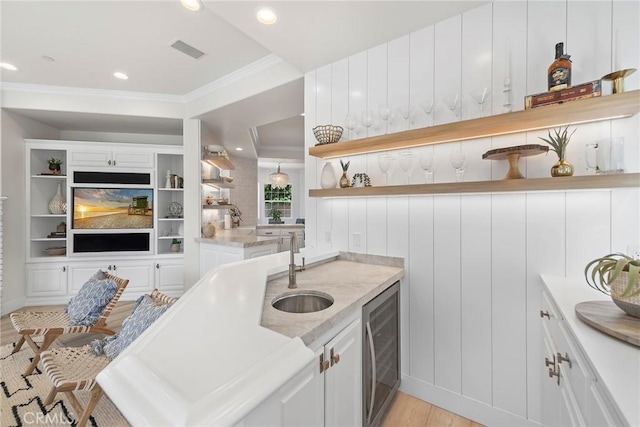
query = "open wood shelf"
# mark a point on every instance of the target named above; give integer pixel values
(608, 107)
(221, 162)
(218, 183)
(506, 185)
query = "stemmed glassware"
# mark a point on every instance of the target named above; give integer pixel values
(353, 125)
(480, 98)
(425, 159)
(458, 161)
(384, 162)
(406, 160)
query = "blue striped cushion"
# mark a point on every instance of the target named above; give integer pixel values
(86, 307)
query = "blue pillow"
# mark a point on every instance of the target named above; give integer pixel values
(86, 307)
(143, 315)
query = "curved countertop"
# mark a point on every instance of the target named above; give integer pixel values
(238, 237)
(218, 353)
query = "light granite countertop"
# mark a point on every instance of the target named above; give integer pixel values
(238, 237)
(351, 279)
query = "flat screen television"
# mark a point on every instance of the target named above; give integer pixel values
(112, 208)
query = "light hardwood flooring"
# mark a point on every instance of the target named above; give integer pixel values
(406, 410)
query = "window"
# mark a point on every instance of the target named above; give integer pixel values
(277, 198)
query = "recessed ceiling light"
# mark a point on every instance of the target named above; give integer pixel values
(48, 58)
(266, 16)
(238, 148)
(119, 75)
(192, 5)
(8, 66)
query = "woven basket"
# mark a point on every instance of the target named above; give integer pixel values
(630, 305)
(327, 134)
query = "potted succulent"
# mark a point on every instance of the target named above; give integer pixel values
(54, 165)
(275, 215)
(344, 179)
(236, 215)
(175, 245)
(559, 141)
(617, 275)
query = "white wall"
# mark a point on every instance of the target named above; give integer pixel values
(15, 129)
(473, 262)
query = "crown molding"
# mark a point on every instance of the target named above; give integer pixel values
(253, 68)
(67, 90)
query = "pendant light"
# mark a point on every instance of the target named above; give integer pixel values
(279, 179)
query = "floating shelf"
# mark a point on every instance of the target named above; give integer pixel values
(529, 184)
(217, 206)
(221, 162)
(601, 108)
(218, 183)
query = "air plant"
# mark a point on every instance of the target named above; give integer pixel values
(559, 141)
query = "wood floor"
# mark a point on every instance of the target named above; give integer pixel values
(406, 410)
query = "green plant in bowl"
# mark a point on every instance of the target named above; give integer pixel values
(617, 275)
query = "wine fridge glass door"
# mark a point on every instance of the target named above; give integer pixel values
(381, 354)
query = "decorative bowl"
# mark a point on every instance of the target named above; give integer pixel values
(327, 134)
(56, 250)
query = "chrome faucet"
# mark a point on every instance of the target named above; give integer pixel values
(293, 268)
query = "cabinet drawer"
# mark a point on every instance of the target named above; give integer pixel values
(600, 412)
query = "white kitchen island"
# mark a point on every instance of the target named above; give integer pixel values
(210, 361)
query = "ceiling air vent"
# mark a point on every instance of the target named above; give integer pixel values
(187, 49)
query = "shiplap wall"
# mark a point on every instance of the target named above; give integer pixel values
(471, 337)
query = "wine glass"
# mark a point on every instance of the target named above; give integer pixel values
(406, 160)
(480, 98)
(425, 159)
(384, 162)
(458, 161)
(353, 124)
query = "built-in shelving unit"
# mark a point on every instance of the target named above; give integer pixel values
(506, 185)
(609, 107)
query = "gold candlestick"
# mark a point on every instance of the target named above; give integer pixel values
(618, 78)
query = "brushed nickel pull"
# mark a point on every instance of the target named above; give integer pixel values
(335, 358)
(545, 313)
(548, 362)
(564, 358)
(554, 373)
(324, 364)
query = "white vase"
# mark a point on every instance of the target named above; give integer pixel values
(58, 204)
(328, 177)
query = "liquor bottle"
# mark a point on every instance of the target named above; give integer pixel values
(559, 72)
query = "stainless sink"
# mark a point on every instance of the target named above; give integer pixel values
(302, 301)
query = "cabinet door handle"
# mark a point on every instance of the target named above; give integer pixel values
(109, 162)
(554, 373)
(64, 268)
(158, 266)
(564, 358)
(335, 358)
(548, 362)
(324, 364)
(545, 314)
(114, 163)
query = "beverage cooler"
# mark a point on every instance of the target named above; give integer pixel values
(380, 354)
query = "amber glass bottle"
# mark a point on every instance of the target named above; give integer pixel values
(559, 72)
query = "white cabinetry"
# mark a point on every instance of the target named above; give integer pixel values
(573, 394)
(53, 277)
(169, 276)
(139, 273)
(328, 392)
(213, 254)
(46, 280)
(120, 158)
